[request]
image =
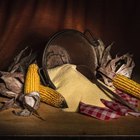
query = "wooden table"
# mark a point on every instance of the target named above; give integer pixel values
(58, 122)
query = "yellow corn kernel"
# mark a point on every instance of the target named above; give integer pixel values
(127, 85)
(32, 80)
(50, 96)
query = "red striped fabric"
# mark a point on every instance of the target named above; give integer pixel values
(113, 110)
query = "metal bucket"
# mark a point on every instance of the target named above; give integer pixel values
(68, 46)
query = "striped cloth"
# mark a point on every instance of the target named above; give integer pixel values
(113, 109)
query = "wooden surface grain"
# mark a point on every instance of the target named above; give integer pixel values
(58, 122)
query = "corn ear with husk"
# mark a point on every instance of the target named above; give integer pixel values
(111, 66)
(127, 85)
(47, 95)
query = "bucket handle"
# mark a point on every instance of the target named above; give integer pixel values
(45, 79)
(91, 38)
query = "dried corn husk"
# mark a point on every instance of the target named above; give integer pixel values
(110, 66)
(12, 81)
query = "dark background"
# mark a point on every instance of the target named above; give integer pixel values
(31, 22)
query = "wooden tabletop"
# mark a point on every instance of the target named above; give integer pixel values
(58, 122)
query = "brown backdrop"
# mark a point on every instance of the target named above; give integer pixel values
(31, 22)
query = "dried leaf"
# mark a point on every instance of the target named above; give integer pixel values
(106, 57)
(12, 83)
(109, 67)
(22, 61)
(5, 92)
(7, 104)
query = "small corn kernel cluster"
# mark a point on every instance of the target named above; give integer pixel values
(127, 85)
(32, 80)
(47, 95)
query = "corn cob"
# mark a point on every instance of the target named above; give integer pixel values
(48, 95)
(127, 85)
(32, 80)
(51, 96)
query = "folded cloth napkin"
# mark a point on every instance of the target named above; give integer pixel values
(113, 110)
(98, 112)
(75, 87)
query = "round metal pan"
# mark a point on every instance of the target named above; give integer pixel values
(73, 47)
